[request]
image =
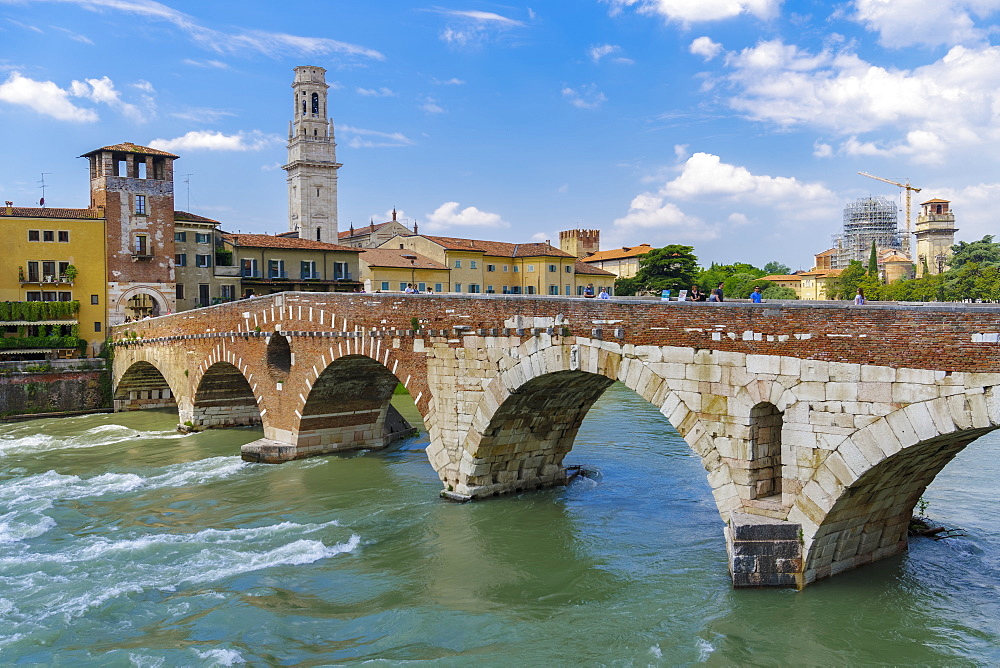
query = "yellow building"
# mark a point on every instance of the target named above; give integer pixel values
(270, 264)
(392, 269)
(793, 281)
(816, 283)
(54, 255)
(499, 267)
(622, 262)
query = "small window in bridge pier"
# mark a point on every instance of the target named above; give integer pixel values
(765, 451)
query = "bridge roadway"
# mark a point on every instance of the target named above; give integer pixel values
(819, 424)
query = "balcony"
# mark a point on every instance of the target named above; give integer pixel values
(277, 274)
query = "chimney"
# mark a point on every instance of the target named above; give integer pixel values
(394, 214)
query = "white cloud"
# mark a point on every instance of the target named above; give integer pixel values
(376, 92)
(705, 47)
(584, 97)
(692, 11)
(273, 44)
(470, 28)
(431, 106)
(75, 36)
(448, 82)
(208, 140)
(705, 175)
(44, 97)
(202, 114)
(821, 150)
(926, 112)
(214, 64)
(103, 91)
(361, 138)
(144, 86)
(596, 53)
(448, 215)
(901, 23)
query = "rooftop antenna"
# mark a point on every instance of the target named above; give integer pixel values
(41, 202)
(187, 181)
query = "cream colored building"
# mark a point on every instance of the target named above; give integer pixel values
(622, 262)
(935, 234)
(793, 281)
(392, 269)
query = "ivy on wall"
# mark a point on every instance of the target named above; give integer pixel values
(35, 311)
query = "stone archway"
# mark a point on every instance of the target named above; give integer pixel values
(142, 386)
(224, 398)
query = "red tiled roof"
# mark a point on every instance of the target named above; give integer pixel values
(129, 147)
(268, 241)
(40, 212)
(393, 257)
(782, 277)
(581, 267)
(935, 200)
(619, 253)
(358, 231)
(832, 251)
(498, 248)
(193, 217)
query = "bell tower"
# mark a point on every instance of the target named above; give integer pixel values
(312, 159)
(935, 236)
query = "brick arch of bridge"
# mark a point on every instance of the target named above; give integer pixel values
(223, 396)
(528, 417)
(144, 383)
(858, 505)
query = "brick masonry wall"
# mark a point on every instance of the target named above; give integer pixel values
(52, 392)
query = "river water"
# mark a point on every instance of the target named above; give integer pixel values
(125, 543)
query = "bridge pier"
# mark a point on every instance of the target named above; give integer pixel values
(764, 552)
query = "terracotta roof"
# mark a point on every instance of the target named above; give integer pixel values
(619, 253)
(40, 212)
(581, 267)
(268, 241)
(393, 257)
(832, 251)
(498, 248)
(129, 147)
(781, 277)
(193, 217)
(358, 231)
(935, 200)
(896, 257)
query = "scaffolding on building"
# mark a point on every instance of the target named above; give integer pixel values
(866, 220)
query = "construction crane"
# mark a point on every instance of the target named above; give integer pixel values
(908, 189)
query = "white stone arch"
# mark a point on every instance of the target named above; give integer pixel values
(856, 507)
(136, 388)
(117, 315)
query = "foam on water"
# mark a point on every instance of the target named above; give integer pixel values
(12, 443)
(221, 657)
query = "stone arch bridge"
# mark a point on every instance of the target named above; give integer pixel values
(819, 424)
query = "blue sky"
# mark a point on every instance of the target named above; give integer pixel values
(735, 126)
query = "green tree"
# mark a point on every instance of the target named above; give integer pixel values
(672, 267)
(873, 261)
(984, 252)
(846, 285)
(775, 268)
(778, 292)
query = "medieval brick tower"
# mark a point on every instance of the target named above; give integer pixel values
(935, 236)
(312, 159)
(580, 243)
(134, 186)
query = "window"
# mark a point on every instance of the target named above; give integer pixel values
(473, 264)
(141, 244)
(458, 287)
(530, 290)
(63, 268)
(553, 289)
(50, 296)
(248, 268)
(203, 295)
(402, 286)
(33, 272)
(515, 290)
(33, 296)
(203, 260)
(553, 267)
(437, 287)
(516, 269)
(422, 287)
(569, 291)
(65, 296)
(276, 269)
(490, 290)
(140, 205)
(385, 285)
(34, 235)
(49, 272)
(340, 272)
(458, 264)
(48, 235)
(569, 269)
(200, 238)
(505, 267)
(531, 267)
(227, 292)
(473, 288)
(180, 236)
(97, 326)
(491, 267)
(179, 292)
(95, 300)
(308, 270)
(181, 260)
(64, 236)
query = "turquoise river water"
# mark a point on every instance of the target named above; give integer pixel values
(123, 542)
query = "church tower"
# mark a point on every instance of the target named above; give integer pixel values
(312, 159)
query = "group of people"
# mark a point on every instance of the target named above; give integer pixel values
(412, 289)
(588, 292)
